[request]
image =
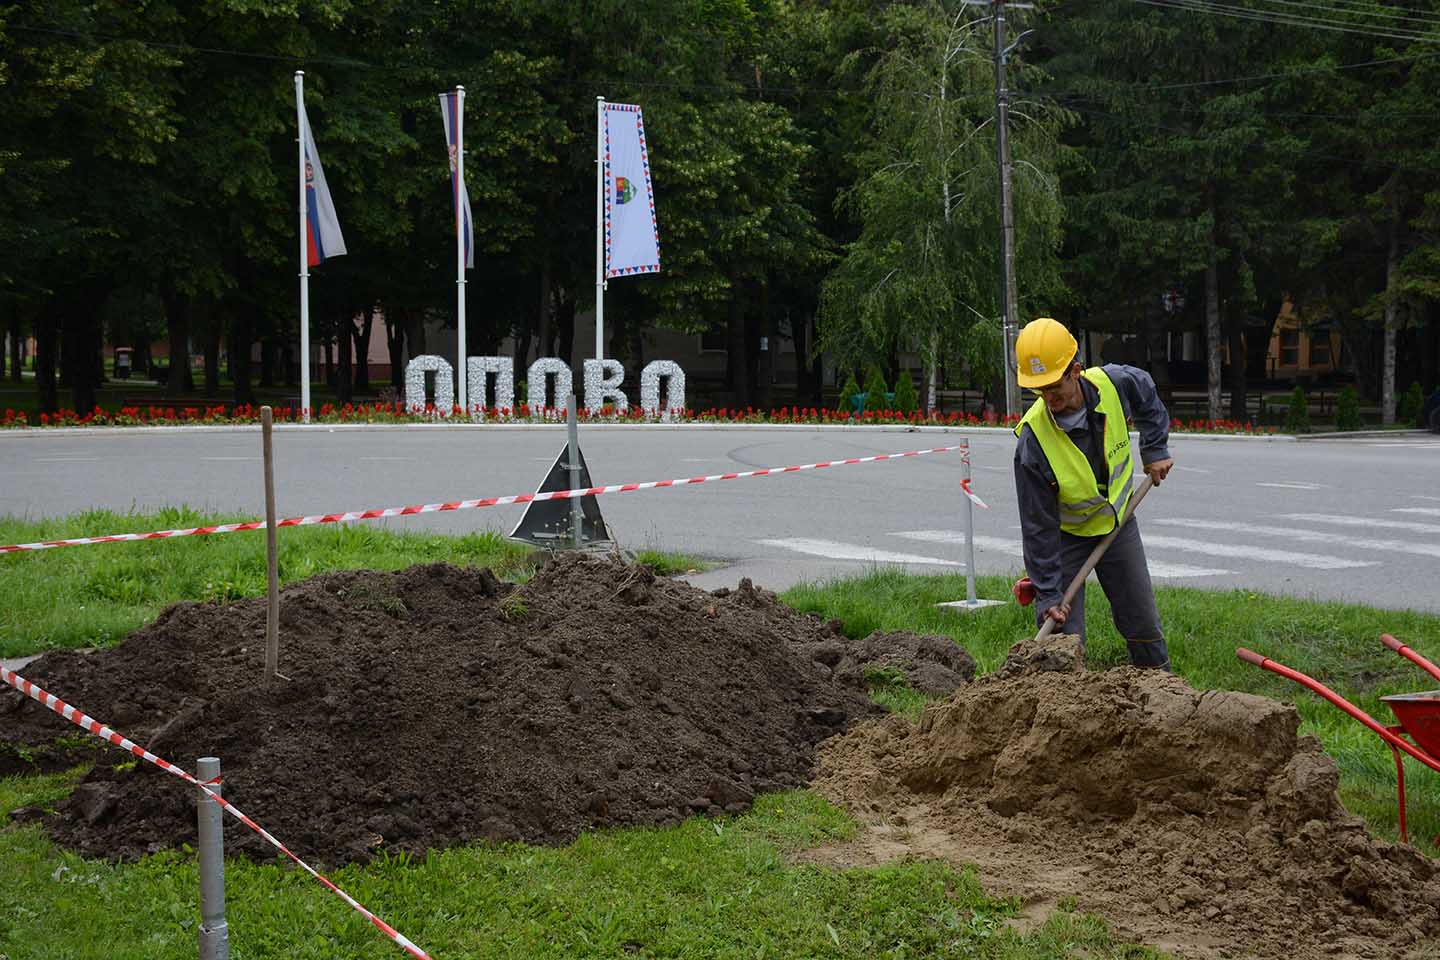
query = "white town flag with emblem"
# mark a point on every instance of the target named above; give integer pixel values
(632, 238)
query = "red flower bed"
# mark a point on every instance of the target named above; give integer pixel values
(397, 413)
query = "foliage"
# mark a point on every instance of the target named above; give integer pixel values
(1297, 418)
(847, 392)
(875, 391)
(906, 399)
(1347, 410)
(1412, 406)
(923, 270)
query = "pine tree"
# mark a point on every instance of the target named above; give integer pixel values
(1298, 419)
(847, 394)
(1412, 404)
(875, 390)
(907, 401)
(1347, 410)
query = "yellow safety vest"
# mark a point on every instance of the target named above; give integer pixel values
(1085, 509)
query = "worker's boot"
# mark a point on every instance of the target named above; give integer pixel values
(1151, 654)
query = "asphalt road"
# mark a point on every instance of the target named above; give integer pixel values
(1354, 519)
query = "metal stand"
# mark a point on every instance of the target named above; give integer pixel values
(214, 931)
(970, 602)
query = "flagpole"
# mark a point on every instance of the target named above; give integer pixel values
(599, 228)
(304, 257)
(460, 377)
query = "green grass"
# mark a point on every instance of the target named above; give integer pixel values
(666, 564)
(93, 596)
(705, 889)
(1337, 644)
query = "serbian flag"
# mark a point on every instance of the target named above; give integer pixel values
(323, 239)
(452, 109)
(632, 237)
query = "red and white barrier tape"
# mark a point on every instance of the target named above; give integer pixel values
(105, 733)
(464, 504)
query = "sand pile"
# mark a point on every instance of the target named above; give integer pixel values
(1194, 819)
(438, 705)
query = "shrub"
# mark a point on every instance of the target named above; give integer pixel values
(875, 390)
(906, 399)
(846, 392)
(1347, 410)
(1298, 419)
(1412, 405)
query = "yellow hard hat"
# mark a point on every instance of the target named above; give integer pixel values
(1043, 352)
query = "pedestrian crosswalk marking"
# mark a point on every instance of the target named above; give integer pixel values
(1293, 486)
(1428, 511)
(1313, 561)
(1159, 570)
(1307, 536)
(1344, 521)
(835, 550)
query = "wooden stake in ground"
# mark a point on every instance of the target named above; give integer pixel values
(272, 563)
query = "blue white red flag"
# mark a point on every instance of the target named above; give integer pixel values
(453, 112)
(323, 238)
(632, 236)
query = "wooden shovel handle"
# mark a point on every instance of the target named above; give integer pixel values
(1048, 627)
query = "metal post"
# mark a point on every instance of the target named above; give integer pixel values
(272, 565)
(971, 603)
(461, 387)
(214, 931)
(300, 123)
(969, 529)
(599, 228)
(1009, 323)
(572, 431)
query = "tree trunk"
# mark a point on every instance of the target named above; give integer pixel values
(932, 374)
(1392, 309)
(565, 322)
(543, 326)
(177, 322)
(77, 333)
(46, 336)
(395, 345)
(362, 350)
(737, 365)
(1212, 326)
(212, 352)
(765, 395)
(268, 351)
(1235, 332)
(799, 335)
(344, 370)
(1430, 350)
(16, 355)
(242, 337)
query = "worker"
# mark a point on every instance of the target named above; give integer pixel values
(1074, 475)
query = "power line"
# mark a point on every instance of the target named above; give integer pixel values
(1361, 10)
(1295, 20)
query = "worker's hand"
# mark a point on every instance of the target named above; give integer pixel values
(1159, 470)
(1059, 613)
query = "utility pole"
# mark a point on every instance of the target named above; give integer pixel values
(1009, 316)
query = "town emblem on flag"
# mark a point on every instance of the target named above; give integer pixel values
(624, 190)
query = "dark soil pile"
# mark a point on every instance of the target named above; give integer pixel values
(438, 705)
(1199, 820)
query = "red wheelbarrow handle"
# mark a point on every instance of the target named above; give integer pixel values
(1410, 655)
(1315, 686)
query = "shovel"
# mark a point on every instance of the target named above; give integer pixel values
(1049, 626)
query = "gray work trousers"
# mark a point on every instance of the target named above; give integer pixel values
(1125, 578)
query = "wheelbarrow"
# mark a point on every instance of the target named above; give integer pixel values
(1418, 713)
